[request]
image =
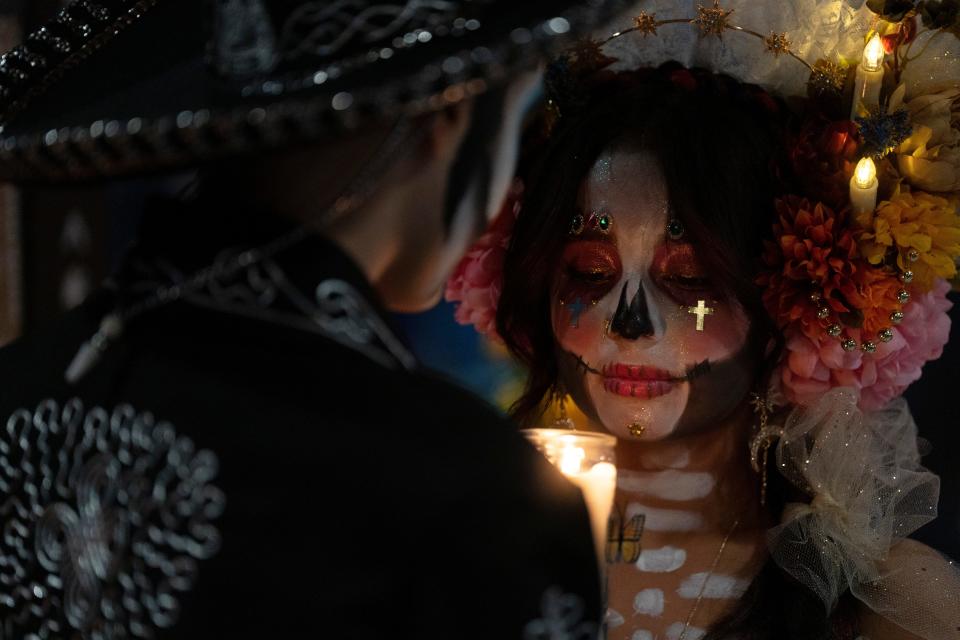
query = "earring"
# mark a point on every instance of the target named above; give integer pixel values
(606, 329)
(563, 421)
(636, 429)
(763, 438)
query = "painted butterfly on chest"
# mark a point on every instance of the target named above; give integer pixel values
(623, 537)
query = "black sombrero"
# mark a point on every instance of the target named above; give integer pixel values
(117, 87)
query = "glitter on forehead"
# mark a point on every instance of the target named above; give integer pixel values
(603, 169)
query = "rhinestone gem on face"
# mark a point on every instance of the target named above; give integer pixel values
(815, 297)
(823, 313)
(849, 344)
(577, 224)
(605, 223)
(675, 229)
(868, 347)
(896, 317)
(906, 277)
(903, 296)
(885, 334)
(913, 255)
(834, 330)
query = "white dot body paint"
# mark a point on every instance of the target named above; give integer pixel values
(648, 602)
(665, 519)
(662, 560)
(675, 630)
(718, 586)
(614, 619)
(642, 634)
(668, 485)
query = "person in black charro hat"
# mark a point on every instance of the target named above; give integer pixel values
(229, 440)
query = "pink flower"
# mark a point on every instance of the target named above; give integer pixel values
(812, 367)
(476, 282)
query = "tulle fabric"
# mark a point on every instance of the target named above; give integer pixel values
(869, 493)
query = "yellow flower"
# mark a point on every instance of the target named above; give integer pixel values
(921, 229)
(930, 158)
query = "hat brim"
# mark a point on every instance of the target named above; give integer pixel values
(137, 95)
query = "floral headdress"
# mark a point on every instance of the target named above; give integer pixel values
(856, 282)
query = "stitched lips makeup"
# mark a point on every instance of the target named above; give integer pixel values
(638, 381)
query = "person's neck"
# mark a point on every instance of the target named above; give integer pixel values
(707, 474)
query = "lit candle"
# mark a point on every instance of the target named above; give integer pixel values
(586, 459)
(863, 187)
(869, 81)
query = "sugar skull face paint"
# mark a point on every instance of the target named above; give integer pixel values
(624, 312)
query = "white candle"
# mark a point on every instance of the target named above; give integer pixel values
(598, 485)
(869, 80)
(863, 187)
(586, 459)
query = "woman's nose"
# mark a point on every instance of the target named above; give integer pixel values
(632, 321)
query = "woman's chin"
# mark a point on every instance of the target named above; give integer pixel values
(639, 418)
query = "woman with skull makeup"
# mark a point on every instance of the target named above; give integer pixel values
(635, 213)
(630, 284)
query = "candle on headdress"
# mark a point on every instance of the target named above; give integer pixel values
(863, 187)
(866, 91)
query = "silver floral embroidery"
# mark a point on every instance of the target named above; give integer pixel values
(561, 619)
(245, 41)
(338, 311)
(105, 517)
(323, 28)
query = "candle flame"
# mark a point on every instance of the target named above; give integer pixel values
(873, 54)
(865, 174)
(571, 459)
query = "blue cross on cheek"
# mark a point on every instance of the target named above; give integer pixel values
(576, 308)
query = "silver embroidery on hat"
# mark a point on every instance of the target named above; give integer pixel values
(105, 517)
(245, 42)
(323, 28)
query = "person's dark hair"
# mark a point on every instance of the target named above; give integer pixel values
(721, 147)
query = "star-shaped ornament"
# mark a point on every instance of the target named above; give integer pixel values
(777, 43)
(646, 23)
(713, 20)
(587, 56)
(827, 77)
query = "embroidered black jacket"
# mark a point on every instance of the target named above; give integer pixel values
(264, 458)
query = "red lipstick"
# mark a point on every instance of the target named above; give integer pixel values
(637, 381)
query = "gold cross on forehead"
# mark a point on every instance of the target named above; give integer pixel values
(701, 311)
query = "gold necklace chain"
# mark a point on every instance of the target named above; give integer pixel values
(713, 567)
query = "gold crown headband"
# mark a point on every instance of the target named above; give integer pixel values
(826, 76)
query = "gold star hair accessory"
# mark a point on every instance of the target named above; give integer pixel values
(777, 43)
(826, 77)
(646, 23)
(587, 56)
(713, 20)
